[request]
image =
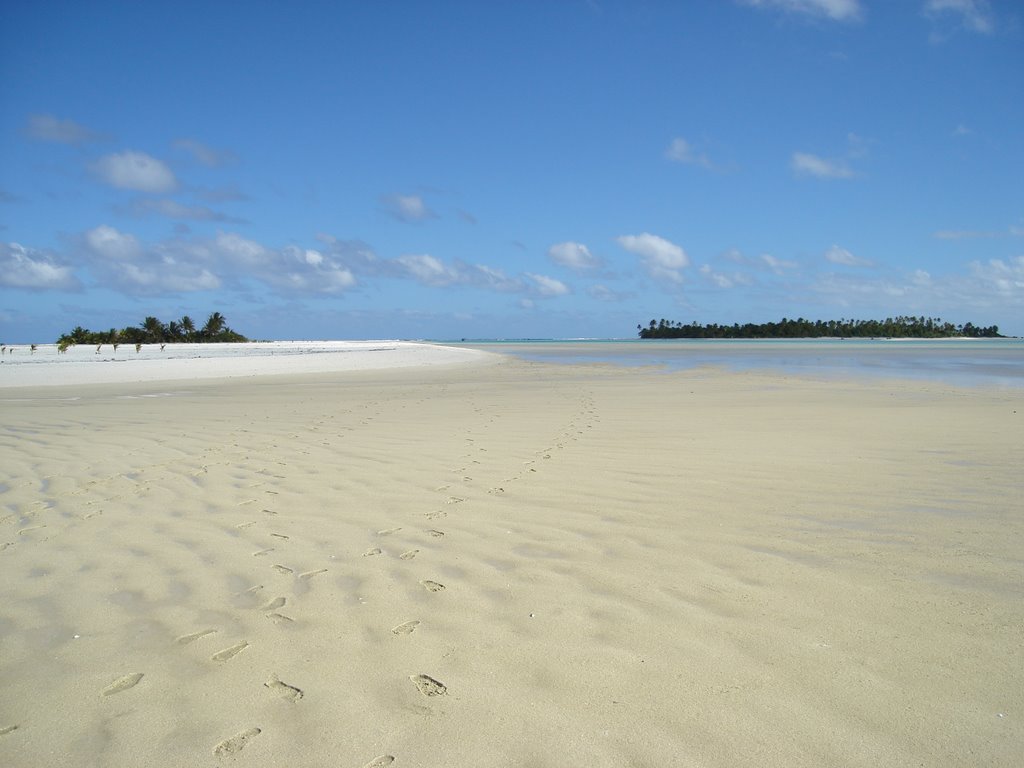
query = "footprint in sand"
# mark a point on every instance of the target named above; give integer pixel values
(123, 684)
(435, 533)
(432, 586)
(186, 639)
(274, 604)
(380, 762)
(263, 552)
(284, 690)
(409, 555)
(236, 743)
(406, 628)
(279, 618)
(388, 531)
(229, 653)
(307, 575)
(371, 552)
(428, 686)
(282, 569)
(11, 728)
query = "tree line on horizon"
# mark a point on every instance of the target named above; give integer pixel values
(890, 328)
(154, 331)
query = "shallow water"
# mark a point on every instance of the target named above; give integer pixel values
(966, 362)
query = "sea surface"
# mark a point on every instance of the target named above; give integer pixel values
(962, 362)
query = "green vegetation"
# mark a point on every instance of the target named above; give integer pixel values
(890, 328)
(153, 331)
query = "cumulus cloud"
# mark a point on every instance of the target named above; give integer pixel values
(547, 286)
(662, 259)
(208, 156)
(182, 265)
(996, 285)
(680, 151)
(836, 10)
(136, 171)
(50, 128)
(1006, 278)
(725, 280)
(838, 255)
(408, 208)
(429, 270)
(805, 164)
(22, 267)
(113, 245)
(434, 272)
(575, 256)
(972, 15)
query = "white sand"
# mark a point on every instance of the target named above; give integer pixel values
(87, 364)
(511, 564)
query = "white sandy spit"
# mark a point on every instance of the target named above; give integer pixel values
(22, 366)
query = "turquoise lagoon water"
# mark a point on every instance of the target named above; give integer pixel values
(970, 362)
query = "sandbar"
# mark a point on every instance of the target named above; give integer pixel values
(495, 562)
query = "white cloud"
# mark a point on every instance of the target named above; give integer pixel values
(208, 156)
(308, 271)
(1005, 277)
(111, 244)
(179, 265)
(575, 256)
(723, 280)
(680, 151)
(995, 286)
(838, 255)
(408, 208)
(50, 128)
(22, 267)
(776, 265)
(548, 286)
(805, 164)
(604, 293)
(837, 10)
(973, 15)
(432, 271)
(429, 270)
(662, 259)
(135, 170)
(247, 254)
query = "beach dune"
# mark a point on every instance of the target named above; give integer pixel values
(492, 562)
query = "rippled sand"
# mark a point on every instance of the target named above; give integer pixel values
(511, 563)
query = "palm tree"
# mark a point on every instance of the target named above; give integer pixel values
(215, 323)
(188, 328)
(155, 330)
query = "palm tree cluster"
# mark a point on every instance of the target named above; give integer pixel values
(153, 331)
(890, 328)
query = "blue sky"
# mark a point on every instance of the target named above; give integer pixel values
(508, 169)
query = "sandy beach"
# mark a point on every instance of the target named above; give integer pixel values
(492, 562)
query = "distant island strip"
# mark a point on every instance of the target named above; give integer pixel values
(890, 328)
(153, 331)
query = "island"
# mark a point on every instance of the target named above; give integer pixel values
(154, 331)
(890, 328)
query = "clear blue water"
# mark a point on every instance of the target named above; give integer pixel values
(972, 362)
